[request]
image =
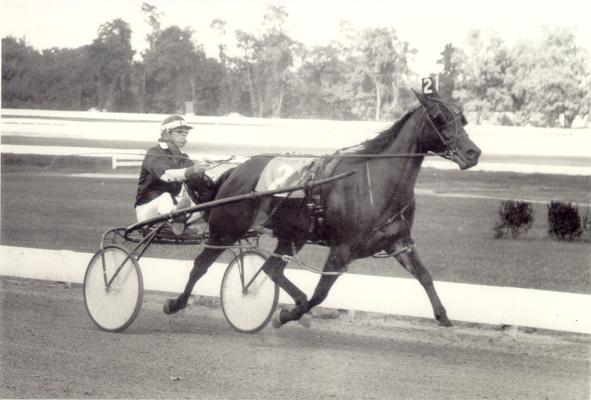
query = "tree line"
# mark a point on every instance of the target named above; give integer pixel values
(364, 75)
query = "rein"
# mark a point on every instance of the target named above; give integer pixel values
(450, 145)
(345, 155)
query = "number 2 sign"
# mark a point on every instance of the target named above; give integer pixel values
(429, 84)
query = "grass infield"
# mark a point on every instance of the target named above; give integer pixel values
(456, 212)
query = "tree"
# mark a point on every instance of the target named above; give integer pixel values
(551, 78)
(266, 63)
(112, 55)
(481, 82)
(153, 18)
(450, 71)
(53, 79)
(380, 73)
(210, 85)
(318, 88)
(171, 72)
(65, 79)
(225, 96)
(379, 57)
(19, 77)
(247, 43)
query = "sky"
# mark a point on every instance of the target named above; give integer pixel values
(426, 24)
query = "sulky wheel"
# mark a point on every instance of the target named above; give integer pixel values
(248, 295)
(113, 288)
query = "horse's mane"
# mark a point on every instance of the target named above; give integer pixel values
(385, 138)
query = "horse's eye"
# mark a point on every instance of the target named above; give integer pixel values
(438, 121)
(463, 120)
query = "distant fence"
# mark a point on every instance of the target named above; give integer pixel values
(126, 160)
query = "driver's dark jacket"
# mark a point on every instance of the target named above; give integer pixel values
(158, 159)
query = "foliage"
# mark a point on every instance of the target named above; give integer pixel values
(364, 75)
(319, 86)
(18, 81)
(374, 74)
(551, 78)
(153, 18)
(111, 55)
(265, 63)
(382, 66)
(169, 70)
(516, 217)
(53, 79)
(544, 83)
(480, 72)
(564, 221)
(450, 70)
(65, 80)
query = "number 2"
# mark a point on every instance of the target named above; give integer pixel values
(427, 86)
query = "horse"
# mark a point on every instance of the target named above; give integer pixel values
(368, 213)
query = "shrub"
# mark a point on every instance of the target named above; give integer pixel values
(515, 217)
(564, 221)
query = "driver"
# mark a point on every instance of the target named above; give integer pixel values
(164, 169)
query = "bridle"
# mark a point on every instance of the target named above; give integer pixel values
(438, 121)
(435, 117)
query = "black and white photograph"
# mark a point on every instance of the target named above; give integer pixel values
(275, 199)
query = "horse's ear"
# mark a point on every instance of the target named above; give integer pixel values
(434, 92)
(421, 97)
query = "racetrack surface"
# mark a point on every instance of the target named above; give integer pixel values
(50, 348)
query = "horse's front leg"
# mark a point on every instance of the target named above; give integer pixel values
(409, 259)
(200, 266)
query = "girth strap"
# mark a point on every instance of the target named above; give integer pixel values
(323, 168)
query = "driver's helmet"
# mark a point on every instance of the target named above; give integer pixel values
(173, 122)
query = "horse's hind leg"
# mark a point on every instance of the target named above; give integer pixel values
(334, 263)
(200, 266)
(411, 262)
(274, 267)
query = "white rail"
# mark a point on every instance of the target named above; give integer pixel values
(127, 160)
(473, 303)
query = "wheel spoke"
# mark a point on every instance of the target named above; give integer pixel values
(116, 308)
(248, 310)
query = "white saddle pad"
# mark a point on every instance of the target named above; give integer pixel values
(282, 172)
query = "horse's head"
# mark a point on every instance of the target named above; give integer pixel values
(445, 122)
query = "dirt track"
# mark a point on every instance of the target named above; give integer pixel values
(50, 348)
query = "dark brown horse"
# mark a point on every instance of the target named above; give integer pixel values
(365, 214)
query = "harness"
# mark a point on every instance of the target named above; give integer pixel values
(325, 167)
(437, 120)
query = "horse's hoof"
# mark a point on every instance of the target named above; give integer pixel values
(168, 307)
(305, 321)
(445, 322)
(276, 320)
